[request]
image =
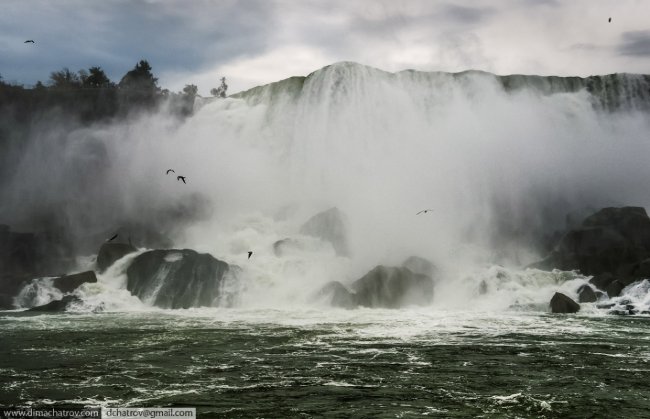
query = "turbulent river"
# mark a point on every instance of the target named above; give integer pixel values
(333, 363)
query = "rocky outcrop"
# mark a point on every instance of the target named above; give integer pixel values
(58, 305)
(329, 226)
(420, 266)
(388, 287)
(109, 253)
(586, 294)
(180, 279)
(69, 283)
(560, 303)
(382, 287)
(338, 295)
(613, 240)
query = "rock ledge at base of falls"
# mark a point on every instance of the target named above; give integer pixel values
(382, 287)
(180, 279)
(612, 245)
(58, 305)
(560, 303)
(69, 283)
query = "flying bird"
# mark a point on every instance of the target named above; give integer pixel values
(29, 41)
(250, 254)
(181, 178)
(610, 20)
(170, 170)
(424, 211)
(112, 238)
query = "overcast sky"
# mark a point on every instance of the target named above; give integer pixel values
(253, 42)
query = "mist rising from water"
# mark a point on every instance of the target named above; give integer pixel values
(501, 169)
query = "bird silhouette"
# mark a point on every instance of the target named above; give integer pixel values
(112, 238)
(181, 178)
(250, 254)
(29, 41)
(610, 20)
(424, 211)
(170, 170)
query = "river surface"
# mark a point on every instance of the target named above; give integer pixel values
(331, 363)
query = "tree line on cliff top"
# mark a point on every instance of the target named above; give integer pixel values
(90, 96)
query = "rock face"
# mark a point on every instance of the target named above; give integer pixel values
(383, 287)
(329, 226)
(109, 253)
(58, 305)
(179, 279)
(560, 303)
(613, 240)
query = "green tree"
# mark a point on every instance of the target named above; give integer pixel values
(140, 78)
(221, 90)
(190, 90)
(96, 78)
(64, 79)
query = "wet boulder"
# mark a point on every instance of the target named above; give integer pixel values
(612, 240)
(68, 283)
(389, 287)
(614, 288)
(180, 279)
(58, 305)
(586, 294)
(338, 295)
(420, 266)
(560, 303)
(601, 281)
(109, 253)
(329, 226)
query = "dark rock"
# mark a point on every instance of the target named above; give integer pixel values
(420, 266)
(280, 247)
(109, 253)
(560, 303)
(6, 301)
(330, 226)
(388, 287)
(612, 240)
(58, 305)
(614, 289)
(69, 283)
(179, 279)
(602, 281)
(339, 295)
(586, 294)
